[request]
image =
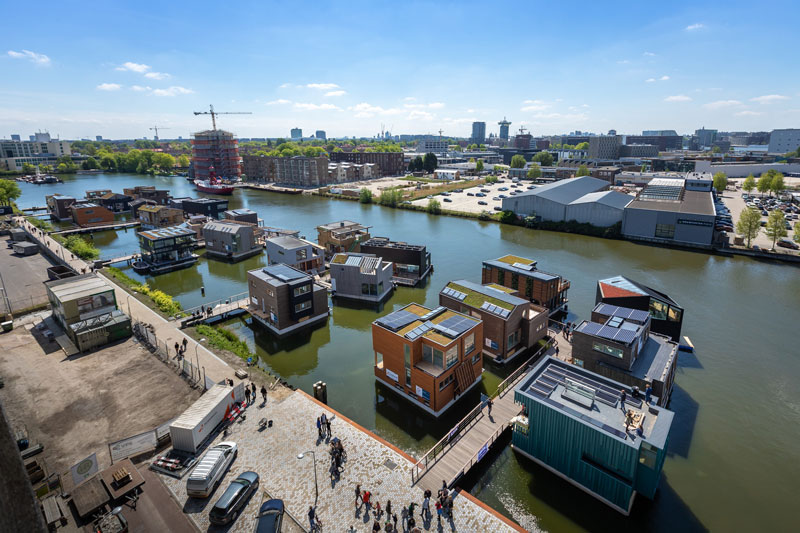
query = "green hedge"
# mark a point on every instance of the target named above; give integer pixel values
(78, 246)
(225, 340)
(163, 301)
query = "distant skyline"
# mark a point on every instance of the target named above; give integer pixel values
(116, 70)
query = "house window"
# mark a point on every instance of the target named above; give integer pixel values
(674, 314)
(302, 290)
(658, 310)
(452, 356)
(514, 280)
(648, 455)
(368, 288)
(665, 231)
(529, 287)
(577, 362)
(608, 350)
(469, 343)
(427, 353)
(476, 358)
(301, 255)
(500, 277)
(378, 359)
(513, 339)
(407, 355)
(302, 306)
(446, 381)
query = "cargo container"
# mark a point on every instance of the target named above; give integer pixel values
(195, 425)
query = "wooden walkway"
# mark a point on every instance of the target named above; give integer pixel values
(91, 229)
(217, 309)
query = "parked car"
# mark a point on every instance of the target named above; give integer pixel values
(756, 248)
(480, 195)
(447, 200)
(503, 189)
(497, 208)
(502, 196)
(531, 187)
(233, 500)
(470, 194)
(270, 517)
(485, 190)
(787, 243)
(483, 203)
(209, 471)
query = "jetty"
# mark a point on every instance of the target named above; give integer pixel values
(92, 229)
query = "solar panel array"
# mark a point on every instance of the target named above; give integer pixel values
(397, 320)
(624, 312)
(523, 266)
(436, 312)
(284, 272)
(457, 324)
(369, 264)
(458, 295)
(662, 190)
(624, 336)
(496, 309)
(419, 330)
(353, 260)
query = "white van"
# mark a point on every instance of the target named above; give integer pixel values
(209, 471)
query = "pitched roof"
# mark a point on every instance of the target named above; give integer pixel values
(566, 191)
(609, 198)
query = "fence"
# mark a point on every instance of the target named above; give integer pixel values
(23, 305)
(222, 301)
(141, 443)
(192, 372)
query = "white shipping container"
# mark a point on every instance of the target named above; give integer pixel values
(192, 427)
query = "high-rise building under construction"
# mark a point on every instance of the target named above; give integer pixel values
(217, 148)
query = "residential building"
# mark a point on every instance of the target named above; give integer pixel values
(115, 202)
(478, 133)
(577, 426)
(349, 172)
(511, 325)
(136, 204)
(218, 149)
(149, 192)
(522, 275)
(242, 215)
(93, 195)
(342, 236)
(320, 134)
(617, 343)
(297, 134)
(58, 205)
(388, 163)
(523, 141)
(229, 240)
(167, 249)
(705, 138)
(784, 141)
(663, 140)
(434, 146)
(429, 356)
(666, 316)
(209, 207)
(637, 150)
(504, 125)
(601, 209)
(446, 174)
(86, 214)
(298, 171)
(665, 211)
(298, 253)
(411, 262)
(604, 147)
(362, 277)
(159, 216)
(85, 307)
(285, 300)
(549, 202)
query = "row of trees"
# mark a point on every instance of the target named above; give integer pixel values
(770, 181)
(138, 161)
(749, 226)
(427, 163)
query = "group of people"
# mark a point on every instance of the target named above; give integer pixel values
(180, 349)
(567, 331)
(443, 506)
(338, 456)
(324, 426)
(250, 393)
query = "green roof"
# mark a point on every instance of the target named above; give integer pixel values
(511, 259)
(475, 299)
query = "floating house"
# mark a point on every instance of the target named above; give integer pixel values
(58, 205)
(86, 214)
(342, 236)
(521, 274)
(166, 249)
(666, 314)
(159, 216)
(412, 262)
(363, 277)
(297, 253)
(229, 240)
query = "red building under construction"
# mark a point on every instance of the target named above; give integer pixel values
(217, 148)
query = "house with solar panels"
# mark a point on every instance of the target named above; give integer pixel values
(363, 277)
(511, 325)
(617, 343)
(431, 357)
(166, 249)
(286, 300)
(666, 316)
(576, 425)
(522, 275)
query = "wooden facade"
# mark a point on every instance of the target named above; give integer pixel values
(518, 273)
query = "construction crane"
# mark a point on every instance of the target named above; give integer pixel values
(440, 134)
(215, 113)
(522, 130)
(156, 128)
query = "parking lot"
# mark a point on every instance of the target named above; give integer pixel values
(736, 204)
(468, 200)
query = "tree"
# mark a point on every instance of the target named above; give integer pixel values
(777, 185)
(716, 150)
(479, 166)
(365, 196)
(517, 161)
(764, 182)
(415, 165)
(183, 161)
(720, 181)
(108, 162)
(27, 168)
(491, 179)
(583, 170)
(776, 226)
(535, 172)
(429, 162)
(45, 168)
(582, 146)
(163, 161)
(796, 236)
(543, 158)
(90, 164)
(749, 184)
(433, 207)
(390, 197)
(507, 217)
(9, 191)
(749, 224)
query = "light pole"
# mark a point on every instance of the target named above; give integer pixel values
(316, 486)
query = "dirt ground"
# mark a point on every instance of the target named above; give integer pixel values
(75, 407)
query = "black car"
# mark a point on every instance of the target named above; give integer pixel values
(233, 500)
(270, 517)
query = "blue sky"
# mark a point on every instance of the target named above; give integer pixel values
(86, 69)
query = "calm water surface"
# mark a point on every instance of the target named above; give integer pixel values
(734, 454)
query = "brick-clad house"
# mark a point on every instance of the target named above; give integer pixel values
(521, 274)
(430, 357)
(511, 325)
(86, 214)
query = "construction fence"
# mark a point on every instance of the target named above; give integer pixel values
(191, 372)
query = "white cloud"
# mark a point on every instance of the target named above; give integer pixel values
(677, 98)
(365, 110)
(336, 93)
(279, 101)
(139, 88)
(109, 87)
(696, 26)
(322, 86)
(315, 107)
(432, 105)
(420, 115)
(39, 59)
(172, 91)
(649, 54)
(141, 68)
(156, 75)
(748, 113)
(649, 80)
(585, 105)
(663, 78)
(769, 98)
(409, 99)
(721, 104)
(534, 105)
(284, 85)
(623, 62)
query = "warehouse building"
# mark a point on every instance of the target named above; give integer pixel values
(549, 202)
(602, 208)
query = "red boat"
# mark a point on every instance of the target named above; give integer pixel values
(213, 185)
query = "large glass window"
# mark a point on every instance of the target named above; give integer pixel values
(407, 354)
(674, 314)
(469, 343)
(427, 353)
(302, 306)
(528, 287)
(302, 290)
(438, 358)
(513, 339)
(301, 255)
(665, 231)
(500, 277)
(514, 280)
(648, 455)
(452, 356)
(658, 310)
(608, 350)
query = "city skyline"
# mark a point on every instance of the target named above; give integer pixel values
(596, 69)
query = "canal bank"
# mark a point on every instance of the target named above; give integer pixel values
(728, 468)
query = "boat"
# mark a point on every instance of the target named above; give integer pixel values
(41, 179)
(213, 185)
(140, 267)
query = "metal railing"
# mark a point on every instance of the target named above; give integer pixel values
(480, 454)
(222, 301)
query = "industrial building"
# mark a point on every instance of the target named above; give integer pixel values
(784, 141)
(86, 308)
(297, 253)
(666, 316)
(511, 325)
(549, 202)
(286, 300)
(363, 277)
(230, 240)
(602, 208)
(430, 357)
(523, 276)
(218, 149)
(411, 262)
(577, 426)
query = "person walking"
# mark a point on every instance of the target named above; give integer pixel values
(264, 393)
(388, 509)
(425, 513)
(489, 403)
(328, 426)
(365, 496)
(253, 389)
(185, 343)
(358, 491)
(439, 512)
(312, 518)
(324, 421)
(622, 397)
(378, 511)
(648, 393)
(376, 527)
(319, 427)
(177, 349)
(450, 507)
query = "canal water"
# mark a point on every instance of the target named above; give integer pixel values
(733, 454)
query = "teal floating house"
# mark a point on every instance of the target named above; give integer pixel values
(576, 425)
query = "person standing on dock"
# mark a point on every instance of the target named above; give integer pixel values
(185, 344)
(489, 404)
(177, 349)
(319, 427)
(264, 393)
(358, 488)
(622, 397)
(648, 393)
(247, 395)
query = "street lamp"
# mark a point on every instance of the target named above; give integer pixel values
(316, 486)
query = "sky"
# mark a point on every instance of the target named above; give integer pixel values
(356, 68)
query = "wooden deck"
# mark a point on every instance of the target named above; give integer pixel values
(216, 310)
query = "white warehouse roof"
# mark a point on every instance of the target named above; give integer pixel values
(609, 198)
(566, 191)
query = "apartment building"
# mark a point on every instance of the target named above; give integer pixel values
(297, 171)
(386, 163)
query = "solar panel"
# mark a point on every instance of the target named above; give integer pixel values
(636, 315)
(418, 331)
(436, 312)
(505, 313)
(353, 260)
(397, 320)
(458, 324)
(624, 336)
(585, 418)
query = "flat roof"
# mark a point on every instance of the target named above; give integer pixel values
(521, 268)
(440, 325)
(288, 242)
(386, 243)
(241, 211)
(66, 290)
(594, 400)
(342, 224)
(279, 273)
(567, 190)
(655, 358)
(477, 295)
(609, 198)
(693, 202)
(167, 233)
